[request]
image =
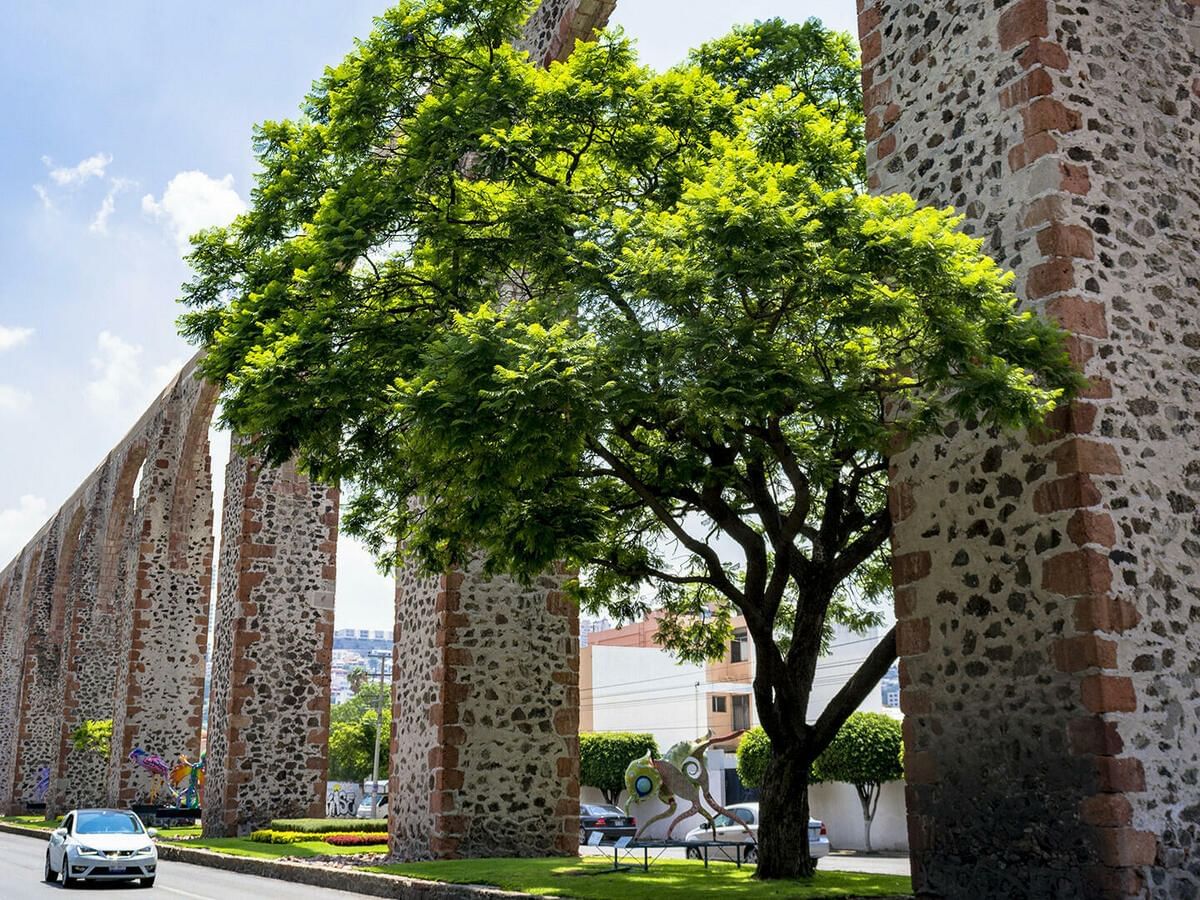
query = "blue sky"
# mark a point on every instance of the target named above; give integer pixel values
(127, 126)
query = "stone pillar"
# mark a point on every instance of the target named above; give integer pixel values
(159, 689)
(99, 617)
(485, 721)
(87, 660)
(40, 714)
(268, 728)
(16, 594)
(485, 699)
(1047, 587)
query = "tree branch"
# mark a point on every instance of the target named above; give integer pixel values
(853, 692)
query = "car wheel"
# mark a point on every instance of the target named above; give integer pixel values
(814, 861)
(583, 836)
(146, 882)
(693, 852)
(67, 881)
(49, 876)
(750, 854)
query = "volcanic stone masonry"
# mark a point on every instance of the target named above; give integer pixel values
(485, 699)
(268, 718)
(1048, 587)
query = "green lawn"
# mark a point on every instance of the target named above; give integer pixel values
(674, 879)
(247, 847)
(30, 822)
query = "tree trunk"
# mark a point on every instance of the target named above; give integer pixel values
(783, 825)
(868, 814)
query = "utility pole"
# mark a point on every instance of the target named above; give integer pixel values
(378, 657)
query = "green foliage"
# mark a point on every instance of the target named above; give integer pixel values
(329, 826)
(345, 837)
(93, 736)
(868, 750)
(352, 733)
(269, 836)
(753, 754)
(611, 318)
(605, 755)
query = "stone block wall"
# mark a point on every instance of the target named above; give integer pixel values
(485, 722)
(1046, 586)
(159, 688)
(19, 580)
(485, 700)
(269, 709)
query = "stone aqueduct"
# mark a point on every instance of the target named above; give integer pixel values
(1047, 592)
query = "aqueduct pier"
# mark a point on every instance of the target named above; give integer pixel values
(1047, 592)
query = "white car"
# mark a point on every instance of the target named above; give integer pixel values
(730, 830)
(101, 845)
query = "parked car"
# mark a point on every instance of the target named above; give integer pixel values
(609, 821)
(730, 830)
(364, 810)
(101, 845)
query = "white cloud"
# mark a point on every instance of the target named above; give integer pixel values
(20, 523)
(13, 337)
(41, 191)
(14, 400)
(99, 223)
(194, 201)
(69, 176)
(122, 386)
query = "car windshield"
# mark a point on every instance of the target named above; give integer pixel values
(602, 811)
(107, 823)
(743, 817)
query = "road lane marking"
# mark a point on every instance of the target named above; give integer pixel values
(163, 887)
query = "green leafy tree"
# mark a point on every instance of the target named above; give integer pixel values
(93, 736)
(352, 746)
(605, 755)
(753, 754)
(867, 752)
(371, 696)
(649, 325)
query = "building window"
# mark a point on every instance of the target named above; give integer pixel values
(718, 704)
(741, 712)
(739, 648)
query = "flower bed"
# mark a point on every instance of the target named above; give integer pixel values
(359, 839)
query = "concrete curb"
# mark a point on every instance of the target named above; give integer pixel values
(370, 884)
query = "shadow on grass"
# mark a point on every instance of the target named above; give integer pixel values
(666, 880)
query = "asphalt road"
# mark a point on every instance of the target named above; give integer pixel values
(21, 879)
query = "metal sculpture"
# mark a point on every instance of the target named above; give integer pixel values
(159, 770)
(683, 773)
(193, 774)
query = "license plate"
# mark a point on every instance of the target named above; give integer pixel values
(117, 870)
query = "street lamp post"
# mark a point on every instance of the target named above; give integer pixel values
(379, 657)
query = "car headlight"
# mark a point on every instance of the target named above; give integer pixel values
(87, 851)
(147, 849)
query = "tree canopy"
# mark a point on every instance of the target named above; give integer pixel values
(605, 755)
(867, 750)
(646, 324)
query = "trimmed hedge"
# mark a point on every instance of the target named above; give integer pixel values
(329, 826)
(270, 836)
(360, 839)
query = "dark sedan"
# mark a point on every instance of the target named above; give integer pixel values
(607, 821)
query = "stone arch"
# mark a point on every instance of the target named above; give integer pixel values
(159, 684)
(41, 689)
(99, 616)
